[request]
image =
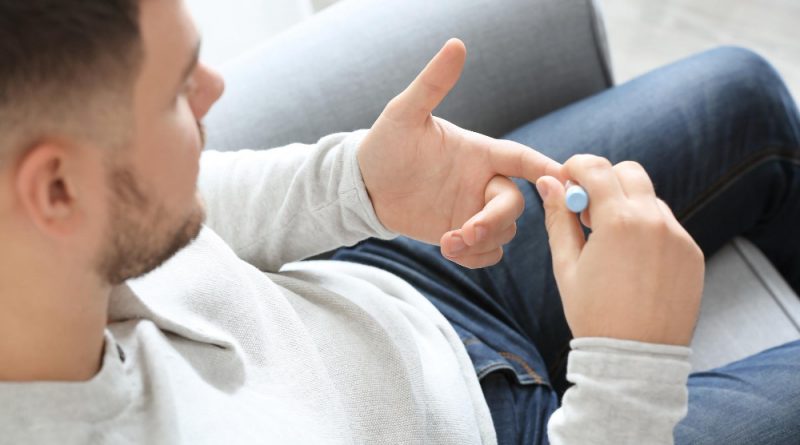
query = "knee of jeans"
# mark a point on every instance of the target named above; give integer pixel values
(744, 83)
(750, 64)
(746, 76)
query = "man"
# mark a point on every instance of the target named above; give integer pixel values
(231, 340)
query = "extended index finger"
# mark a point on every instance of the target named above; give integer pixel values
(511, 158)
(431, 85)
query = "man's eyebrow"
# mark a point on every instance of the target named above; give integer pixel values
(191, 65)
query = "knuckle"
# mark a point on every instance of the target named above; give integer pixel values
(623, 220)
(597, 164)
(585, 162)
(694, 250)
(594, 174)
(699, 253)
(496, 256)
(633, 171)
(630, 166)
(647, 222)
(394, 106)
(572, 161)
(658, 225)
(509, 234)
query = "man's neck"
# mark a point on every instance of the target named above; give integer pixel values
(51, 328)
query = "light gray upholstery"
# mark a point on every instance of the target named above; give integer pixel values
(336, 71)
(747, 307)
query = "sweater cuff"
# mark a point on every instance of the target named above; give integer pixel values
(629, 360)
(625, 392)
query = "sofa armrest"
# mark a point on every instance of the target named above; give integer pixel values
(336, 71)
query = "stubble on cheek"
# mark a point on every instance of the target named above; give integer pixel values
(143, 233)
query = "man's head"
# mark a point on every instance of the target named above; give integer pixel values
(100, 136)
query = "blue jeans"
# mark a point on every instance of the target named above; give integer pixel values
(720, 136)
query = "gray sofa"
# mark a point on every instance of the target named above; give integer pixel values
(336, 71)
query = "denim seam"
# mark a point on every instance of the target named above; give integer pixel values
(531, 373)
(734, 174)
(498, 365)
(493, 366)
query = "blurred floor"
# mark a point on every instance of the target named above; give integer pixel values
(645, 34)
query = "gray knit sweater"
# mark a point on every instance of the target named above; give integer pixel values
(234, 341)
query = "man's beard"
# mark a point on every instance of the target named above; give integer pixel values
(138, 238)
(137, 244)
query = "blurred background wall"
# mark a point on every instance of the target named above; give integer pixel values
(643, 34)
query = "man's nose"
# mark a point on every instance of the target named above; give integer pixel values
(212, 87)
(218, 84)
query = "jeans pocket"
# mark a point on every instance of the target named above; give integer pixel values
(526, 367)
(487, 360)
(518, 396)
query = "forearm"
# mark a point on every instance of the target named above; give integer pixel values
(288, 203)
(624, 393)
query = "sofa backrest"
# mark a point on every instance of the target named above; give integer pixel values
(337, 70)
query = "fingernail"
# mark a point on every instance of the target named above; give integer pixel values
(541, 187)
(456, 244)
(480, 234)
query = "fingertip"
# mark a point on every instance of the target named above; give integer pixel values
(444, 241)
(560, 173)
(556, 170)
(553, 186)
(456, 41)
(542, 188)
(455, 49)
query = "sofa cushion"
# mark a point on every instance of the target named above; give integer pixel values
(747, 307)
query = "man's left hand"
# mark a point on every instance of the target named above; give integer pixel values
(432, 181)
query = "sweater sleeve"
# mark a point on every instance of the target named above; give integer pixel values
(624, 392)
(289, 203)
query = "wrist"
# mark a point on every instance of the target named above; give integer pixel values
(649, 336)
(360, 179)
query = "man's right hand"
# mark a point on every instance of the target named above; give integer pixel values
(639, 276)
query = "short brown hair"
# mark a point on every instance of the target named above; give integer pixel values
(67, 69)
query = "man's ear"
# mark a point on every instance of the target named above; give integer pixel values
(46, 187)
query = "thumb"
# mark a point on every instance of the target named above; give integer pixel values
(563, 230)
(431, 86)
